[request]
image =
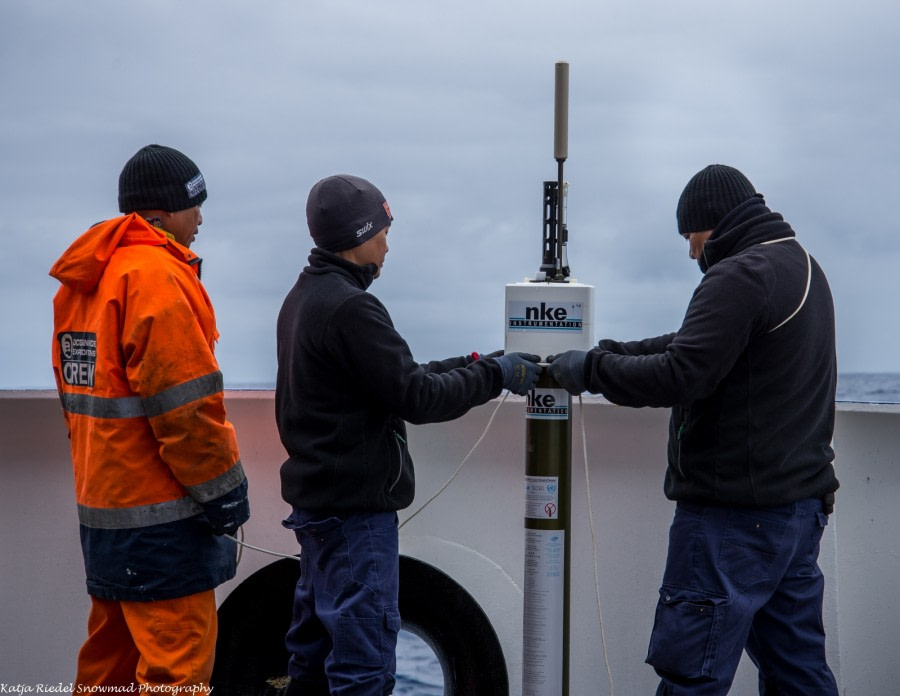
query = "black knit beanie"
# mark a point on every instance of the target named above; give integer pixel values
(709, 196)
(343, 211)
(160, 178)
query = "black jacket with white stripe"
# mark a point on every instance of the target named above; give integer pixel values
(750, 375)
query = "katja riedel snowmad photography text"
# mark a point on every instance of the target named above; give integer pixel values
(71, 688)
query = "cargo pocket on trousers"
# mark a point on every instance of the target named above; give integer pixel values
(360, 641)
(369, 642)
(685, 636)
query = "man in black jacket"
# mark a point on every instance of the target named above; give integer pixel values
(346, 385)
(750, 377)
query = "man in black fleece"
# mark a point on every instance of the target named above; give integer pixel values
(346, 384)
(750, 377)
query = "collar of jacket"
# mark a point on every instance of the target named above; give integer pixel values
(748, 224)
(321, 261)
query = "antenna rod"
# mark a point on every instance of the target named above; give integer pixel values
(560, 151)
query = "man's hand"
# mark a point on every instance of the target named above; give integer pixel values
(568, 369)
(520, 371)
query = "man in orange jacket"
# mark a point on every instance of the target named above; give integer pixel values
(158, 478)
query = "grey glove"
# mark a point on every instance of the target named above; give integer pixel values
(520, 371)
(495, 354)
(568, 370)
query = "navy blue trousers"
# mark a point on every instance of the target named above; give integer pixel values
(343, 636)
(742, 579)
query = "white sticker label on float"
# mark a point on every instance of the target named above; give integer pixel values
(542, 649)
(542, 497)
(547, 404)
(549, 317)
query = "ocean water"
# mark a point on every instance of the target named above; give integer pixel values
(874, 387)
(418, 670)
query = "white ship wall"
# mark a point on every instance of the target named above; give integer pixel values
(474, 532)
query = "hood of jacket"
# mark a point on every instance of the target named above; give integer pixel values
(81, 265)
(748, 224)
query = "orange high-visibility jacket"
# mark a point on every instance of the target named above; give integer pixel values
(157, 470)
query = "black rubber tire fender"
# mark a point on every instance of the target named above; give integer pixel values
(251, 659)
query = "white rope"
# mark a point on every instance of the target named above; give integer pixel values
(461, 464)
(808, 279)
(241, 544)
(587, 482)
(258, 548)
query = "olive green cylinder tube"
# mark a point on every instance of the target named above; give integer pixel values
(548, 515)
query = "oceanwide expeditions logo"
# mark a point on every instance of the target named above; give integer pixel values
(544, 316)
(78, 357)
(195, 186)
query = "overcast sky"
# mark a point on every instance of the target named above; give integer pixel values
(448, 109)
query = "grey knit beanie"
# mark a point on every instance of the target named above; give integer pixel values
(160, 178)
(709, 196)
(343, 211)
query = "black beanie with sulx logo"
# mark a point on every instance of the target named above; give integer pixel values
(343, 211)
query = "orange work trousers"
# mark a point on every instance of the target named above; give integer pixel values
(169, 642)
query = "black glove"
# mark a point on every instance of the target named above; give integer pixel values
(568, 370)
(520, 371)
(228, 512)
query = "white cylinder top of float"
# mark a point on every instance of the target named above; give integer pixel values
(549, 318)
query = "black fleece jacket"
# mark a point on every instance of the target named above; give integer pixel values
(345, 386)
(752, 396)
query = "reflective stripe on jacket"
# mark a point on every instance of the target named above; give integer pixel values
(156, 463)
